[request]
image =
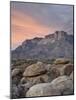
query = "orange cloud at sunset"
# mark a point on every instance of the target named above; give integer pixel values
(25, 27)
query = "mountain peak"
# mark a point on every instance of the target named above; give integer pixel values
(60, 34)
(58, 44)
(57, 35)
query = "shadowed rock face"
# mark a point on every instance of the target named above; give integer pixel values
(58, 44)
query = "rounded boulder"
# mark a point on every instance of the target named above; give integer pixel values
(34, 70)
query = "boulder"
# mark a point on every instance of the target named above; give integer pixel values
(68, 68)
(64, 84)
(38, 79)
(62, 69)
(54, 73)
(34, 70)
(43, 89)
(15, 72)
(61, 61)
(48, 67)
(23, 88)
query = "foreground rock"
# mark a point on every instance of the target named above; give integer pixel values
(44, 89)
(36, 73)
(62, 85)
(34, 70)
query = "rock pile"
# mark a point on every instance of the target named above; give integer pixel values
(42, 79)
(59, 86)
(36, 73)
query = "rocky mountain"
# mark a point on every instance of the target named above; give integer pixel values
(55, 45)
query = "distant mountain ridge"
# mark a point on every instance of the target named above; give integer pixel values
(55, 45)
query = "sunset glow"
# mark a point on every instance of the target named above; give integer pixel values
(25, 27)
(31, 21)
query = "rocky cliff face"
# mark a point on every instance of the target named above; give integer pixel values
(57, 35)
(58, 44)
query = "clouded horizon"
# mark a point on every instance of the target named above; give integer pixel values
(29, 20)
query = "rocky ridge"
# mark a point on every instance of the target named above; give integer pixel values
(55, 45)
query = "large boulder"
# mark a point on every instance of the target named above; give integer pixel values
(34, 70)
(61, 61)
(43, 89)
(62, 85)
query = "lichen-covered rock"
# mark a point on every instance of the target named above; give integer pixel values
(34, 70)
(61, 61)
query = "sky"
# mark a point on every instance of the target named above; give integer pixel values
(29, 20)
